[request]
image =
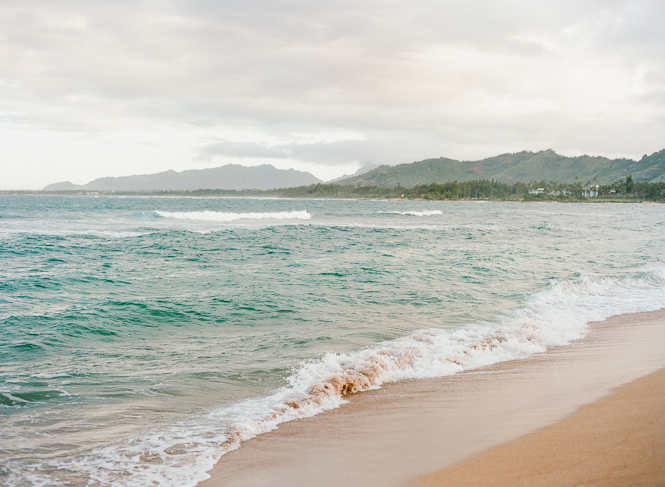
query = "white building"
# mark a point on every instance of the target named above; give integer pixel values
(591, 192)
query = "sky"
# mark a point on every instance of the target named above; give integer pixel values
(95, 88)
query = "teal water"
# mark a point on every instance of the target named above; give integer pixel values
(141, 338)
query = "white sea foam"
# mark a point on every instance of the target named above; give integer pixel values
(181, 454)
(12, 398)
(413, 213)
(220, 216)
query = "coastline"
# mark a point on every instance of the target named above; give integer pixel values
(395, 435)
(268, 194)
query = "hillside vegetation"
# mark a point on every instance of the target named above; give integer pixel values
(513, 168)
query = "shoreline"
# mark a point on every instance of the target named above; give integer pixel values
(175, 194)
(397, 434)
(616, 441)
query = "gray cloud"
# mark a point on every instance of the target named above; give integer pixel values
(377, 149)
(319, 152)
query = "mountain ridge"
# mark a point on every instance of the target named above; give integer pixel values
(230, 176)
(522, 166)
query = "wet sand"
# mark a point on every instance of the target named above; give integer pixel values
(395, 435)
(617, 441)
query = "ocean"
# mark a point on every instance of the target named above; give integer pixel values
(141, 338)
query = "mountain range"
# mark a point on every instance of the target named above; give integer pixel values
(231, 176)
(517, 167)
(522, 166)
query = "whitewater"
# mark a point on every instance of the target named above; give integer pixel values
(176, 329)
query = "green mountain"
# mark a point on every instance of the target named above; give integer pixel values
(520, 167)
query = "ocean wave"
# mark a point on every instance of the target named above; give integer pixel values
(413, 213)
(220, 216)
(554, 316)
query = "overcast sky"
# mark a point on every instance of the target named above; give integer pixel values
(109, 88)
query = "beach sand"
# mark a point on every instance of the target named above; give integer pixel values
(617, 441)
(398, 434)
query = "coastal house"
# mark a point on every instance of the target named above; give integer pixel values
(537, 191)
(591, 191)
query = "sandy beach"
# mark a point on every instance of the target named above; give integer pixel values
(614, 442)
(518, 420)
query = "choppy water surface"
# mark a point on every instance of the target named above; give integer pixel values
(141, 338)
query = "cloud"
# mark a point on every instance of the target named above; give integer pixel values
(339, 152)
(416, 79)
(377, 149)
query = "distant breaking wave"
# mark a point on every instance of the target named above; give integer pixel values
(552, 317)
(414, 213)
(220, 216)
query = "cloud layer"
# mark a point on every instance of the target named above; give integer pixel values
(93, 88)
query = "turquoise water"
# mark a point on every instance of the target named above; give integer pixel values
(141, 338)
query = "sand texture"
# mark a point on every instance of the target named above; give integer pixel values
(395, 435)
(618, 441)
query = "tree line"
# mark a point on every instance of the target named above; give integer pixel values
(489, 189)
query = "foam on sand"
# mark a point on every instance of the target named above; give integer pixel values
(388, 437)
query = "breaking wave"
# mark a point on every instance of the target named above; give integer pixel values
(552, 317)
(220, 216)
